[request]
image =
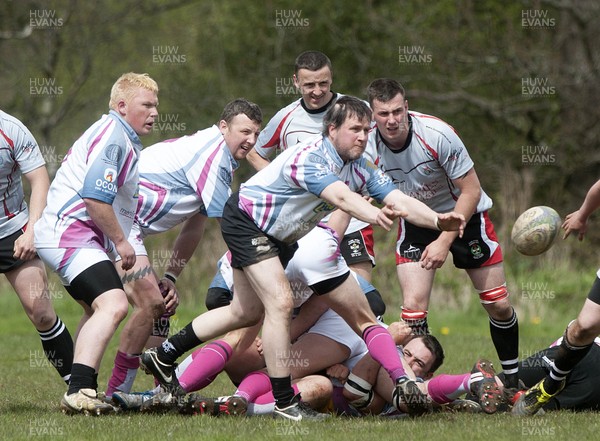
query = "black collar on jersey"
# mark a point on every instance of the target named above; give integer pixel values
(320, 109)
(408, 138)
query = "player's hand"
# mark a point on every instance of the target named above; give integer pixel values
(259, 345)
(24, 248)
(339, 372)
(387, 214)
(434, 255)
(400, 332)
(452, 221)
(127, 254)
(575, 223)
(170, 295)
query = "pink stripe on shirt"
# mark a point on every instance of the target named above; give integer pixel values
(98, 138)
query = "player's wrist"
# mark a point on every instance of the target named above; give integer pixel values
(170, 276)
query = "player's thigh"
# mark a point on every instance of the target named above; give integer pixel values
(267, 279)
(416, 283)
(312, 353)
(242, 338)
(487, 277)
(587, 326)
(363, 269)
(351, 304)
(245, 302)
(30, 283)
(140, 283)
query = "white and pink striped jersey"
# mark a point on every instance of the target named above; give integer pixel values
(184, 176)
(101, 165)
(283, 198)
(296, 123)
(433, 156)
(19, 154)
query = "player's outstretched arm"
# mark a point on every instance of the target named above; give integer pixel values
(419, 214)
(340, 195)
(578, 220)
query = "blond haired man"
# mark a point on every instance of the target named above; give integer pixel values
(91, 206)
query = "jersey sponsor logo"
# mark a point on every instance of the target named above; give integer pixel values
(110, 174)
(324, 206)
(108, 184)
(29, 147)
(225, 175)
(113, 153)
(317, 159)
(454, 155)
(127, 213)
(427, 170)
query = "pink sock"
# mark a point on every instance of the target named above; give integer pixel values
(123, 373)
(207, 363)
(382, 348)
(446, 388)
(254, 385)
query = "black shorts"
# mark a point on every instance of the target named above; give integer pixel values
(248, 243)
(358, 246)
(594, 294)
(7, 251)
(477, 248)
(94, 281)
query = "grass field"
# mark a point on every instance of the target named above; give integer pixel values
(30, 389)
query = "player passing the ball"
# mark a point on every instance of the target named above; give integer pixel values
(261, 226)
(427, 160)
(580, 333)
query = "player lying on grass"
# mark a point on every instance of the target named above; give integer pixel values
(316, 261)
(262, 225)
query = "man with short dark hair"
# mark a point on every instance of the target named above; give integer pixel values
(261, 226)
(185, 180)
(427, 160)
(302, 119)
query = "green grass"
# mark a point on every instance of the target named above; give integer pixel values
(30, 389)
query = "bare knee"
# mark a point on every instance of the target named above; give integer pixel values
(580, 334)
(114, 308)
(146, 298)
(501, 310)
(42, 317)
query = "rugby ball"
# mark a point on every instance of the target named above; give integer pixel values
(535, 230)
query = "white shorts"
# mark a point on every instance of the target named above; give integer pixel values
(331, 325)
(68, 263)
(136, 241)
(317, 258)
